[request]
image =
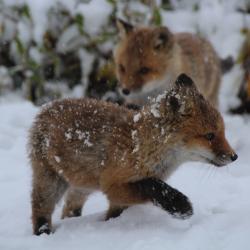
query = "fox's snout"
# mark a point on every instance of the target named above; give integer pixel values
(223, 151)
(234, 157)
(223, 159)
(125, 91)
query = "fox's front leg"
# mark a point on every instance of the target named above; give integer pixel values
(149, 189)
(168, 198)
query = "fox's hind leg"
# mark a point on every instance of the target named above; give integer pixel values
(74, 201)
(48, 188)
(114, 211)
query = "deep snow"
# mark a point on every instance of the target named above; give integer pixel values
(220, 196)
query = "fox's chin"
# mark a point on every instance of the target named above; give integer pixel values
(217, 163)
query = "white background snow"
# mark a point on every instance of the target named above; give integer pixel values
(220, 197)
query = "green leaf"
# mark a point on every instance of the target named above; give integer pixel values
(19, 46)
(113, 2)
(196, 7)
(79, 19)
(26, 11)
(157, 19)
(166, 5)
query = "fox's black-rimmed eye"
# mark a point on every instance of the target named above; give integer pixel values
(210, 136)
(144, 70)
(121, 68)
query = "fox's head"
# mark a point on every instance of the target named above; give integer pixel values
(141, 56)
(197, 128)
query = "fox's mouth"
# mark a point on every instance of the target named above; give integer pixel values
(216, 163)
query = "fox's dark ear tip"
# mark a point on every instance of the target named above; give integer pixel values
(184, 80)
(117, 19)
(123, 25)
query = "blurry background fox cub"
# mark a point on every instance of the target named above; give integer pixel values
(148, 60)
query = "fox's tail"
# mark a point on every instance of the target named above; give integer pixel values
(227, 64)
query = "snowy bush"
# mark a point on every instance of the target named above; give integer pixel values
(51, 49)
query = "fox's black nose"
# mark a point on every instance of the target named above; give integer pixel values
(125, 91)
(234, 157)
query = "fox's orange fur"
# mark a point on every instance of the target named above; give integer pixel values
(85, 145)
(148, 60)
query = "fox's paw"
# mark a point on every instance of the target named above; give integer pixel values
(174, 202)
(67, 213)
(179, 206)
(114, 212)
(166, 197)
(42, 227)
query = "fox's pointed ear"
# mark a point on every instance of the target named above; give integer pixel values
(162, 38)
(184, 81)
(124, 27)
(179, 99)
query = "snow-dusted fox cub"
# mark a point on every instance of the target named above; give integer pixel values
(148, 60)
(87, 145)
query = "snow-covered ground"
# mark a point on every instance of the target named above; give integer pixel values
(220, 196)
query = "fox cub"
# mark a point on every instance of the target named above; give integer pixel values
(148, 60)
(83, 145)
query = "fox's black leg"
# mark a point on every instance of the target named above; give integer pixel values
(168, 198)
